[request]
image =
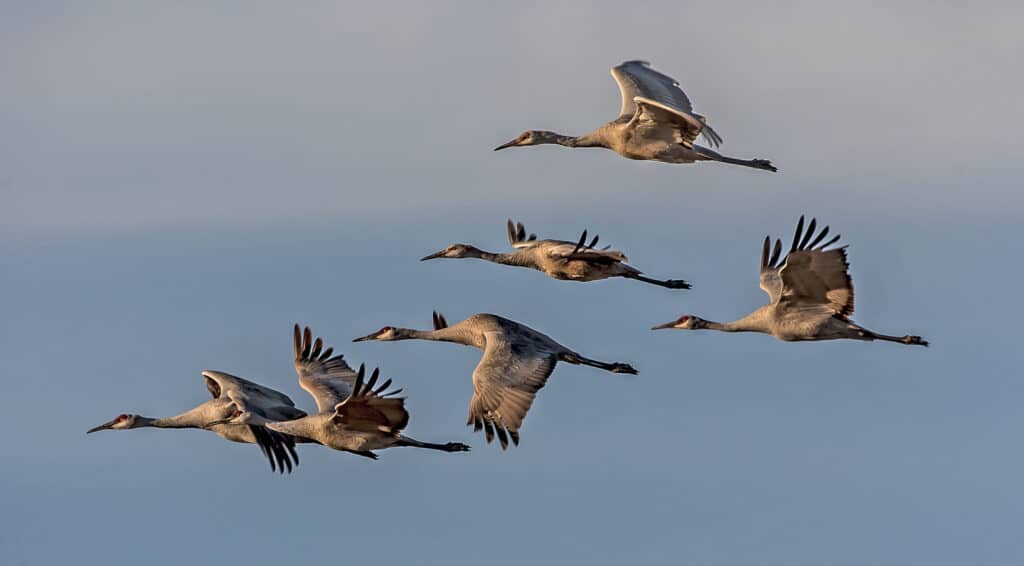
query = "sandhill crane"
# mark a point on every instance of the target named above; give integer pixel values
(230, 392)
(656, 122)
(560, 259)
(811, 295)
(355, 415)
(516, 363)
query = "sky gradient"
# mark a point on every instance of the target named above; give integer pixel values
(179, 184)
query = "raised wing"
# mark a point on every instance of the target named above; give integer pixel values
(328, 379)
(370, 409)
(505, 383)
(220, 384)
(637, 78)
(269, 404)
(582, 250)
(639, 83)
(517, 237)
(812, 275)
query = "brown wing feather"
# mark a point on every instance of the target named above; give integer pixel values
(819, 277)
(364, 410)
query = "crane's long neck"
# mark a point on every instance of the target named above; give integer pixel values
(753, 322)
(514, 258)
(193, 418)
(593, 139)
(449, 334)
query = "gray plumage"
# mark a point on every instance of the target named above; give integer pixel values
(231, 394)
(810, 294)
(356, 414)
(560, 259)
(516, 363)
(656, 122)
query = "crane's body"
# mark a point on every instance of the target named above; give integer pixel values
(354, 415)
(810, 292)
(656, 123)
(228, 393)
(517, 361)
(559, 259)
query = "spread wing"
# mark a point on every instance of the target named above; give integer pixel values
(640, 85)
(269, 404)
(328, 379)
(370, 409)
(561, 249)
(517, 237)
(812, 276)
(505, 383)
(656, 120)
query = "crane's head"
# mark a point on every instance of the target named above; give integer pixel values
(532, 137)
(454, 251)
(384, 334)
(685, 322)
(122, 422)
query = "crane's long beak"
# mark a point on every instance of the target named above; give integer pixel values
(666, 325)
(103, 426)
(512, 143)
(433, 256)
(370, 336)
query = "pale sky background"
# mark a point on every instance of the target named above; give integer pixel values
(180, 182)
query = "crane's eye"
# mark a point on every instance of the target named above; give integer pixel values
(121, 417)
(385, 329)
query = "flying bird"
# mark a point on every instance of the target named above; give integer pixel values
(516, 363)
(560, 259)
(811, 295)
(656, 122)
(229, 393)
(355, 415)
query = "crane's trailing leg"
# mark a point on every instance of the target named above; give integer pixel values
(710, 155)
(908, 339)
(447, 447)
(612, 367)
(668, 283)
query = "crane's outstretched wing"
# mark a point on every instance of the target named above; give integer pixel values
(370, 409)
(561, 249)
(269, 404)
(517, 237)
(328, 379)
(810, 275)
(640, 84)
(505, 383)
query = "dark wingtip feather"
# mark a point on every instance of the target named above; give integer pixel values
(797, 233)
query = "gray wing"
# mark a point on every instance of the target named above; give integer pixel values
(328, 379)
(640, 84)
(269, 404)
(505, 383)
(812, 275)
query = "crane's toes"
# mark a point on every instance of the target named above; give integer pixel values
(765, 164)
(623, 368)
(456, 447)
(677, 284)
(915, 340)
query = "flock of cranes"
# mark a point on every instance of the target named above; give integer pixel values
(810, 298)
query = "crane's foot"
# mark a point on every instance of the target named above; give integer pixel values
(915, 340)
(622, 368)
(455, 447)
(676, 284)
(763, 164)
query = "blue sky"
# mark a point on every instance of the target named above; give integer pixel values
(181, 183)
